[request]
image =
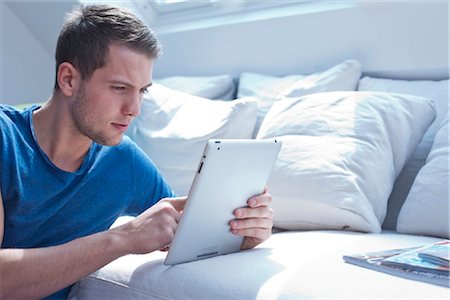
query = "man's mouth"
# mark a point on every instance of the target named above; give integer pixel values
(120, 126)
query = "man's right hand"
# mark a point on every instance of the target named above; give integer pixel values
(38, 272)
(153, 229)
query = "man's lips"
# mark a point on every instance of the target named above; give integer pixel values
(120, 126)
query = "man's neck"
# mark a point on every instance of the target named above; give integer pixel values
(57, 136)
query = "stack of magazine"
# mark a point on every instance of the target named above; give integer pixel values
(430, 263)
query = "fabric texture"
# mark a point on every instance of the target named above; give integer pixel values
(269, 89)
(289, 265)
(426, 209)
(341, 154)
(434, 90)
(46, 206)
(212, 87)
(173, 128)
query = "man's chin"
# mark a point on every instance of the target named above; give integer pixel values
(110, 142)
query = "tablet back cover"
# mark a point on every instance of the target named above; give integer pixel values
(229, 173)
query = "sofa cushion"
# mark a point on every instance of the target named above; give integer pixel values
(173, 128)
(434, 90)
(340, 156)
(289, 265)
(426, 209)
(269, 89)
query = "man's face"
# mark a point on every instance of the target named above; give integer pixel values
(105, 104)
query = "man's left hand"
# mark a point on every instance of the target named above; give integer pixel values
(255, 221)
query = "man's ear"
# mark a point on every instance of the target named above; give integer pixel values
(68, 79)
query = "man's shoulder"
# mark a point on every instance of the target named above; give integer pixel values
(6, 111)
(8, 115)
(135, 152)
(126, 140)
(126, 145)
(126, 156)
(127, 148)
(14, 118)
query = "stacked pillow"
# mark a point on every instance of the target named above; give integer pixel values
(174, 125)
(341, 154)
(438, 92)
(426, 209)
(173, 128)
(269, 89)
(212, 87)
(341, 151)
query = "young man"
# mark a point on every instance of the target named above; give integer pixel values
(67, 171)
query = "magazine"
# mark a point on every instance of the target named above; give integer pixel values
(412, 260)
(376, 261)
(439, 254)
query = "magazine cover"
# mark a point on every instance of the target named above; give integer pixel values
(373, 260)
(412, 260)
(439, 253)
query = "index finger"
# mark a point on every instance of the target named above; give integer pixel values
(177, 202)
(263, 199)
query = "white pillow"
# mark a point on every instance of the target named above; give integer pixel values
(268, 89)
(173, 128)
(426, 209)
(434, 90)
(340, 156)
(212, 87)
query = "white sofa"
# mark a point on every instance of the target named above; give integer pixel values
(343, 177)
(290, 265)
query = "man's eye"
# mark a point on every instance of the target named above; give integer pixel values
(144, 91)
(119, 88)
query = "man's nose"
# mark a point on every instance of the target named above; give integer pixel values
(133, 106)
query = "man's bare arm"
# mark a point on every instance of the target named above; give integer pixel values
(33, 273)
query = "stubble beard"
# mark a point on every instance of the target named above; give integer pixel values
(85, 121)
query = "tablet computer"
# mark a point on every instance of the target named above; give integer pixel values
(229, 173)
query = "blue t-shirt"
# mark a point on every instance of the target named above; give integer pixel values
(46, 206)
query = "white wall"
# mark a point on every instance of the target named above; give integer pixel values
(389, 38)
(28, 33)
(26, 68)
(396, 39)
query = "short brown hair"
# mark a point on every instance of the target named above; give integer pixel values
(89, 30)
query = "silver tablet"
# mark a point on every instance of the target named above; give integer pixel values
(229, 173)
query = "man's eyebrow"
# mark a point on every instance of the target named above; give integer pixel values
(129, 84)
(119, 82)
